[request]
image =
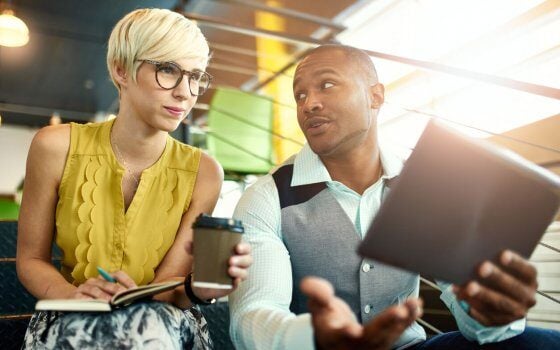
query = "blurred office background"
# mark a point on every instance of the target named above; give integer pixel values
(491, 69)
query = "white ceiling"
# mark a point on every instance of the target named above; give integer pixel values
(515, 39)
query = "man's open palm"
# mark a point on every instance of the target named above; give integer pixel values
(336, 326)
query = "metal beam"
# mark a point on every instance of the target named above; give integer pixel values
(242, 149)
(550, 247)
(233, 69)
(251, 31)
(242, 51)
(534, 89)
(242, 64)
(438, 117)
(488, 40)
(328, 36)
(429, 326)
(548, 296)
(281, 71)
(45, 111)
(289, 13)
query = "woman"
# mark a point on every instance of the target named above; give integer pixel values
(123, 195)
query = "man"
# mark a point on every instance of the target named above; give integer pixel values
(308, 216)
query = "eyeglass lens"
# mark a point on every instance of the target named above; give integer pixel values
(169, 76)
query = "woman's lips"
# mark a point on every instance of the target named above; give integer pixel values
(176, 112)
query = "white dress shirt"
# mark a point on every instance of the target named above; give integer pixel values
(259, 308)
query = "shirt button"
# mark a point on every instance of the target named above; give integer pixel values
(366, 267)
(367, 309)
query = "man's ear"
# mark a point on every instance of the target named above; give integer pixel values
(377, 93)
(120, 75)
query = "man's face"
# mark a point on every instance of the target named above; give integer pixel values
(333, 102)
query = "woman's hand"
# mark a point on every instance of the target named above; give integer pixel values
(99, 288)
(239, 263)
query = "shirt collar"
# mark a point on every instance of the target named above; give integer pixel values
(309, 169)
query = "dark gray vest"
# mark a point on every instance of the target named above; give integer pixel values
(322, 242)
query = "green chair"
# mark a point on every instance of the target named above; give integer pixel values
(240, 131)
(9, 210)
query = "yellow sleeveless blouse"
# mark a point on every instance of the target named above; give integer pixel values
(92, 228)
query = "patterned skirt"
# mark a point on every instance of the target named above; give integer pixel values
(148, 325)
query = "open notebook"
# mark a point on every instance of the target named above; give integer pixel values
(457, 202)
(119, 300)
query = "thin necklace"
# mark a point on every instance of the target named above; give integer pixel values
(121, 159)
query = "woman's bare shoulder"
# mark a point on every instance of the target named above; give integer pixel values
(210, 168)
(49, 149)
(52, 140)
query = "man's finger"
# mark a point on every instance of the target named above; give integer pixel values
(353, 331)
(498, 308)
(519, 267)
(415, 307)
(384, 330)
(243, 261)
(243, 248)
(480, 317)
(318, 290)
(236, 272)
(495, 278)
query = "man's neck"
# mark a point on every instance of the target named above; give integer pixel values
(357, 170)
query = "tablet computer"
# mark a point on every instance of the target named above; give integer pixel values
(459, 201)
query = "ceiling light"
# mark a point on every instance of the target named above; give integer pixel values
(13, 31)
(55, 119)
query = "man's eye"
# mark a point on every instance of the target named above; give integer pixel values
(300, 96)
(327, 85)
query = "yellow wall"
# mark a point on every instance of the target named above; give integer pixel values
(280, 90)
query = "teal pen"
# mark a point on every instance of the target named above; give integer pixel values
(106, 275)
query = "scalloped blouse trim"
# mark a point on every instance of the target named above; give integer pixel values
(87, 215)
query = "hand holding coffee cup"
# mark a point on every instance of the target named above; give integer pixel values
(216, 240)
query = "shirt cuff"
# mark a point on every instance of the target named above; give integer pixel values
(299, 334)
(472, 329)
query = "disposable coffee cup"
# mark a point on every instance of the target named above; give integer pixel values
(214, 243)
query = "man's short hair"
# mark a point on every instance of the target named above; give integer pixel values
(154, 34)
(355, 56)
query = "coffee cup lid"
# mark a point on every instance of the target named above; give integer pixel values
(207, 221)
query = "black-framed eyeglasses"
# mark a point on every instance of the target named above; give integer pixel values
(169, 75)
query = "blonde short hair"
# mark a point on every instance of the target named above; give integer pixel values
(153, 34)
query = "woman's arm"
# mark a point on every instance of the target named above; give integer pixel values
(178, 262)
(36, 225)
